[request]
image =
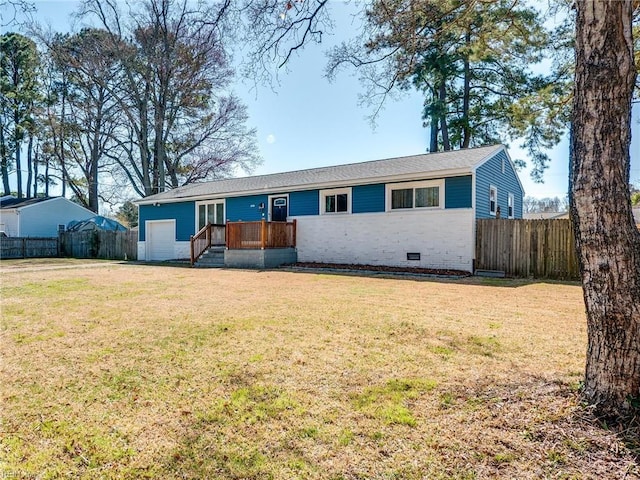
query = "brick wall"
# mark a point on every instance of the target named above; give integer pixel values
(444, 238)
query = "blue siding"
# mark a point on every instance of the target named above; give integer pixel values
(457, 192)
(184, 214)
(367, 198)
(246, 208)
(304, 203)
(490, 173)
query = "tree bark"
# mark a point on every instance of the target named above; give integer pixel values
(4, 161)
(17, 144)
(29, 164)
(433, 131)
(607, 240)
(36, 159)
(446, 146)
(466, 94)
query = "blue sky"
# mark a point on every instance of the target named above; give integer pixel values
(307, 122)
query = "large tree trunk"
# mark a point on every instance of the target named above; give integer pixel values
(607, 240)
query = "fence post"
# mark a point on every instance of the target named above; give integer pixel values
(263, 234)
(192, 253)
(295, 229)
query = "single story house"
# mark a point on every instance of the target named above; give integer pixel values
(38, 217)
(417, 211)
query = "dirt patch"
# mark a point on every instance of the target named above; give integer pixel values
(381, 269)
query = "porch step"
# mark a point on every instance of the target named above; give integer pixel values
(212, 258)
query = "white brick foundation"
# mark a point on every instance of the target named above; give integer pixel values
(444, 238)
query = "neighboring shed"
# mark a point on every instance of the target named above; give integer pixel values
(96, 223)
(38, 217)
(410, 211)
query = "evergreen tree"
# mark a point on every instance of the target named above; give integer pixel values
(472, 62)
(19, 94)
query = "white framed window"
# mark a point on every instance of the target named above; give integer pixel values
(209, 212)
(510, 208)
(493, 200)
(415, 195)
(335, 201)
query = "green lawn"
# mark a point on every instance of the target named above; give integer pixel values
(134, 371)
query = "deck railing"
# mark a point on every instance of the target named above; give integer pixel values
(210, 234)
(260, 235)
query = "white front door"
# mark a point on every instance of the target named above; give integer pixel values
(160, 239)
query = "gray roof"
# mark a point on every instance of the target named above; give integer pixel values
(424, 165)
(9, 202)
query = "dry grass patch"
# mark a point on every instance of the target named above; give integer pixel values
(130, 371)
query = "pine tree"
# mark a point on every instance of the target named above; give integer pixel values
(19, 94)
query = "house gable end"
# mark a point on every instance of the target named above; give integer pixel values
(497, 171)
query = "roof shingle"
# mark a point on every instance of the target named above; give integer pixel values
(429, 163)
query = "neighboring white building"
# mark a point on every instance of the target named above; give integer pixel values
(38, 217)
(556, 215)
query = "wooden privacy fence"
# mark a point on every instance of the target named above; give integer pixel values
(100, 244)
(28, 247)
(527, 248)
(261, 235)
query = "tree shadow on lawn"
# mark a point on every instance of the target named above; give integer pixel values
(387, 273)
(399, 273)
(536, 428)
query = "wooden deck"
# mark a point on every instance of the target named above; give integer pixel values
(244, 236)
